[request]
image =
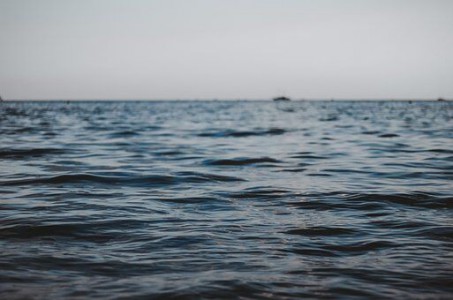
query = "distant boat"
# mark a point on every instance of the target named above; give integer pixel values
(281, 98)
(441, 99)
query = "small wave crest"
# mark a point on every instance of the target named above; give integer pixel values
(149, 180)
(415, 199)
(240, 161)
(239, 133)
(94, 231)
(28, 153)
(348, 249)
(321, 231)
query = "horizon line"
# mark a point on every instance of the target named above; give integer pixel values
(224, 99)
(227, 99)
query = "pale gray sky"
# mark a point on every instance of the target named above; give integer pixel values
(225, 49)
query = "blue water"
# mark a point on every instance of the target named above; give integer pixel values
(249, 200)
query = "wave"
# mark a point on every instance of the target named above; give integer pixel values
(195, 177)
(125, 133)
(350, 249)
(308, 155)
(149, 180)
(263, 193)
(437, 150)
(414, 200)
(371, 202)
(240, 161)
(94, 231)
(360, 247)
(444, 233)
(321, 231)
(370, 132)
(26, 153)
(388, 135)
(239, 133)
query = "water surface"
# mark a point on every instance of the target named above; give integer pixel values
(262, 200)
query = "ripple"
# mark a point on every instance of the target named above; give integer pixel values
(438, 232)
(371, 132)
(308, 155)
(28, 153)
(205, 177)
(313, 251)
(372, 202)
(150, 180)
(448, 151)
(400, 224)
(388, 135)
(327, 205)
(240, 161)
(168, 153)
(259, 193)
(321, 231)
(88, 231)
(414, 200)
(295, 170)
(235, 133)
(125, 133)
(360, 247)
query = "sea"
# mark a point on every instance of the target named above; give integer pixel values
(226, 200)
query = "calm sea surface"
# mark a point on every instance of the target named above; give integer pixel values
(250, 200)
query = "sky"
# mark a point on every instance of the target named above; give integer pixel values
(226, 49)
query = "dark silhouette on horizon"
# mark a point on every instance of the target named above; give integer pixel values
(281, 98)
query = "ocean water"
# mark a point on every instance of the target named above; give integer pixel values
(222, 200)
